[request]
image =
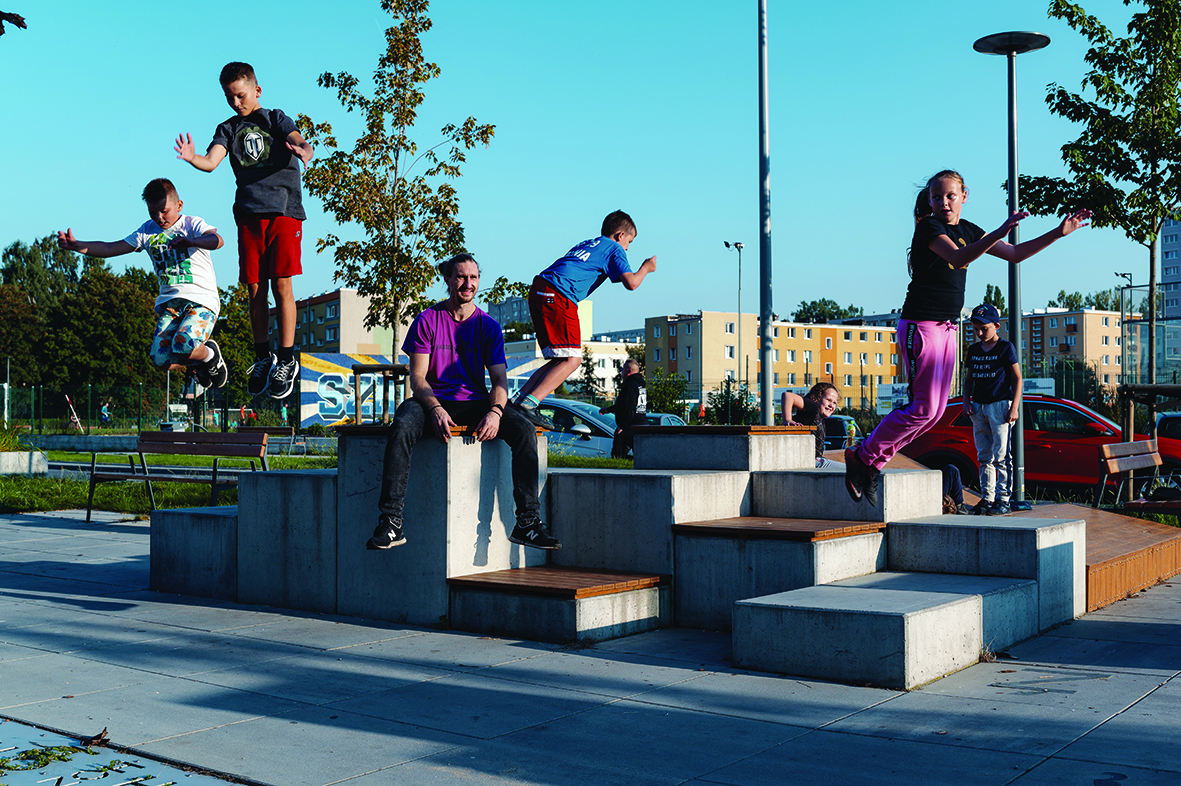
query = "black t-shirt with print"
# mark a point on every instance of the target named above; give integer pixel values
(266, 171)
(936, 291)
(990, 371)
(809, 415)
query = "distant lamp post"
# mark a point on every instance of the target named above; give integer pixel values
(1013, 44)
(738, 247)
(1124, 313)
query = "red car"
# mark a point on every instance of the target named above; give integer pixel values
(1062, 440)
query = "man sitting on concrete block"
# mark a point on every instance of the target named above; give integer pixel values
(450, 344)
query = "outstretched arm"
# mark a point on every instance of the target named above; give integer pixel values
(788, 402)
(1030, 247)
(93, 248)
(959, 258)
(206, 163)
(210, 241)
(633, 280)
(298, 145)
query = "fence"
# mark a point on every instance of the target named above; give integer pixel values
(129, 408)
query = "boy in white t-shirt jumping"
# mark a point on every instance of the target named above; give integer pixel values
(187, 306)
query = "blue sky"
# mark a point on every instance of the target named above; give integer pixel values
(647, 106)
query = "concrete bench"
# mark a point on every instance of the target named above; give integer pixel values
(820, 494)
(561, 605)
(743, 448)
(244, 447)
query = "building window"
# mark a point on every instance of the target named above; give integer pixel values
(848, 380)
(864, 358)
(848, 335)
(1118, 360)
(848, 402)
(1170, 255)
(332, 311)
(1023, 343)
(1107, 341)
(775, 355)
(1053, 322)
(828, 342)
(1070, 340)
(331, 334)
(828, 368)
(1106, 321)
(807, 356)
(791, 356)
(893, 358)
(807, 332)
(672, 353)
(730, 350)
(688, 376)
(656, 332)
(1070, 320)
(791, 332)
(791, 378)
(1106, 379)
(776, 332)
(879, 379)
(848, 357)
(729, 373)
(1107, 360)
(689, 329)
(1053, 341)
(689, 352)
(729, 327)
(656, 354)
(877, 359)
(602, 362)
(877, 337)
(1117, 341)
(774, 381)
(864, 336)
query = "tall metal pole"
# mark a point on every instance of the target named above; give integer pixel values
(1011, 45)
(765, 331)
(739, 247)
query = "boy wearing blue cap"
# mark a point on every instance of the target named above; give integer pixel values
(992, 397)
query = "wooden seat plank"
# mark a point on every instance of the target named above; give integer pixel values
(765, 528)
(559, 582)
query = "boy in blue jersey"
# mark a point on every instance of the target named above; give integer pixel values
(553, 305)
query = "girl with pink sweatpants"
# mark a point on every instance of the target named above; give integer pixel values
(943, 247)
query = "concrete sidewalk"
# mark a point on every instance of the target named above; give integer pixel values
(286, 698)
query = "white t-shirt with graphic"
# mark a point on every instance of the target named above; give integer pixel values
(183, 272)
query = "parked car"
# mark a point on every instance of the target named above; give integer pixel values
(1062, 440)
(1168, 424)
(836, 431)
(664, 419)
(579, 429)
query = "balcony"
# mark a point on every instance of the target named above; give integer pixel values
(1064, 348)
(1071, 328)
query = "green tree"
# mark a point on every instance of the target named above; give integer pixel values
(994, 296)
(1126, 164)
(824, 310)
(235, 340)
(44, 271)
(409, 215)
(667, 392)
(1103, 300)
(21, 330)
(587, 384)
(731, 404)
(516, 331)
(1073, 301)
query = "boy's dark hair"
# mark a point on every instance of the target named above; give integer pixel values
(618, 222)
(447, 266)
(160, 188)
(232, 72)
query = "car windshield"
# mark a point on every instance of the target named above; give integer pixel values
(588, 411)
(1109, 423)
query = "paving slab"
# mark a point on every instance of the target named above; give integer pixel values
(1158, 659)
(1062, 772)
(326, 633)
(186, 611)
(618, 676)
(827, 757)
(85, 632)
(614, 745)
(193, 653)
(52, 677)
(454, 651)
(770, 698)
(1067, 688)
(320, 677)
(1145, 735)
(473, 705)
(987, 724)
(156, 708)
(707, 649)
(308, 746)
(1132, 630)
(17, 652)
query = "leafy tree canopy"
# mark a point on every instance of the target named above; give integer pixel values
(43, 270)
(819, 311)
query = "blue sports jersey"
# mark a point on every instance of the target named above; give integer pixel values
(586, 266)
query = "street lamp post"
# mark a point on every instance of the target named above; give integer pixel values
(738, 247)
(1123, 349)
(1010, 45)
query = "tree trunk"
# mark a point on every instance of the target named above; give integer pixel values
(1152, 333)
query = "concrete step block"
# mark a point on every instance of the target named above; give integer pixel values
(820, 494)
(1050, 551)
(623, 520)
(721, 562)
(287, 539)
(560, 605)
(458, 515)
(887, 638)
(1008, 611)
(194, 551)
(710, 447)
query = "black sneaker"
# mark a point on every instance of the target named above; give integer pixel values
(980, 508)
(215, 368)
(531, 532)
(199, 372)
(533, 416)
(283, 376)
(387, 535)
(872, 475)
(999, 508)
(260, 375)
(855, 474)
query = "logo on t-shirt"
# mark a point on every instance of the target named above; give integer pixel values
(253, 145)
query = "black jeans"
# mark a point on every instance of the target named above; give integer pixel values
(411, 423)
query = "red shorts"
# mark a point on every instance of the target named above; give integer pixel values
(555, 319)
(268, 248)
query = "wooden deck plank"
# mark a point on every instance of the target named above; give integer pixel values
(559, 582)
(764, 528)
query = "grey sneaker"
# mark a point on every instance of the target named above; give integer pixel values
(283, 376)
(531, 532)
(533, 416)
(387, 534)
(259, 375)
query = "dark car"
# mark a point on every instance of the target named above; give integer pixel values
(1062, 440)
(836, 432)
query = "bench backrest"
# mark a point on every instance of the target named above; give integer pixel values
(1125, 456)
(274, 431)
(203, 444)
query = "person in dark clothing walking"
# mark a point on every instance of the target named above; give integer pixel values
(630, 408)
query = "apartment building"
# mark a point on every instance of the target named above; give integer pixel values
(1170, 280)
(1054, 335)
(704, 347)
(334, 322)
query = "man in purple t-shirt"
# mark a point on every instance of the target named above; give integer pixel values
(450, 345)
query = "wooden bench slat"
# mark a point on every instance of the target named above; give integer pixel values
(1117, 449)
(559, 582)
(203, 437)
(1127, 463)
(228, 451)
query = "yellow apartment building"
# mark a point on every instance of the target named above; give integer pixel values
(704, 347)
(1054, 335)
